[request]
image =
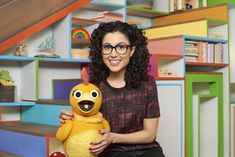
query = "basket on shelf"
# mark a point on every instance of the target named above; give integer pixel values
(7, 88)
(7, 93)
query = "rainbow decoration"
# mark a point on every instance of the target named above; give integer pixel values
(80, 33)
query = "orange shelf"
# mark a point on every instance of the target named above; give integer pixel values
(168, 56)
(170, 78)
(207, 64)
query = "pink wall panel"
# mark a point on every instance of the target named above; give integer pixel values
(173, 46)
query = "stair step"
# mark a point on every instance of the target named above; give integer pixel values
(29, 128)
(7, 154)
(26, 139)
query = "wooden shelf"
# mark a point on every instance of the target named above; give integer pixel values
(139, 11)
(29, 128)
(207, 64)
(81, 22)
(53, 102)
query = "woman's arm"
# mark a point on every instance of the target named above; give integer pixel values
(147, 135)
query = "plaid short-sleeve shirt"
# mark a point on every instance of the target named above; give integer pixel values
(125, 110)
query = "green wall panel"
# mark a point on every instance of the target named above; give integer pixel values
(215, 89)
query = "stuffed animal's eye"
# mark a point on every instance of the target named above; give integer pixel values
(77, 94)
(94, 94)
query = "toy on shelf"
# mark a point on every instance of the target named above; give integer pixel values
(80, 33)
(46, 48)
(47, 45)
(166, 73)
(21, 49)
(77, 134)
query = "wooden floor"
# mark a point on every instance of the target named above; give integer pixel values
(29, 128)
(6, 154)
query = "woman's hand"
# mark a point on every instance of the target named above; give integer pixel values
(99, 145)
(65, 115)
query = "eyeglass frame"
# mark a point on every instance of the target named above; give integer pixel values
(115, 47)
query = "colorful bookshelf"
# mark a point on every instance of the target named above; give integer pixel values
(178, 44)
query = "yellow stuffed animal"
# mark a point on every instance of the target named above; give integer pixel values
(77, 134)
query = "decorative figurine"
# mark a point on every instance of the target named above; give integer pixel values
(21, 49)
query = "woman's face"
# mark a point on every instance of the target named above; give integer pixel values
(116, 51)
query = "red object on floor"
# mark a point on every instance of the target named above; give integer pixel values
(57, 154)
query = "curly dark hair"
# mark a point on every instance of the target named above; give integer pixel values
(137, 67)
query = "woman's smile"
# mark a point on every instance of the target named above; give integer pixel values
(115, 62)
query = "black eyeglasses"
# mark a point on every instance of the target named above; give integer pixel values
(120, 48)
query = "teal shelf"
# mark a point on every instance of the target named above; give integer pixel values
(17, 103)
(63, 60)
(101, 6)
(21, 58)
(187, 37)
(16, 58)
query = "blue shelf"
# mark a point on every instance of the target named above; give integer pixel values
(17, 103)
(21, 58)
(101, 6)
(205, 39)
(16, 58)
(143, 27)
(63, 60)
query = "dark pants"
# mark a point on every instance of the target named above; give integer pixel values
(153, 152)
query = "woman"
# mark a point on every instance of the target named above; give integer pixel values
(119, 64)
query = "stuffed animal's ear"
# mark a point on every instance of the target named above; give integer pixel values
(84, 76)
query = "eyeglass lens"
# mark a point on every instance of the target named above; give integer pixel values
(120, 48)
